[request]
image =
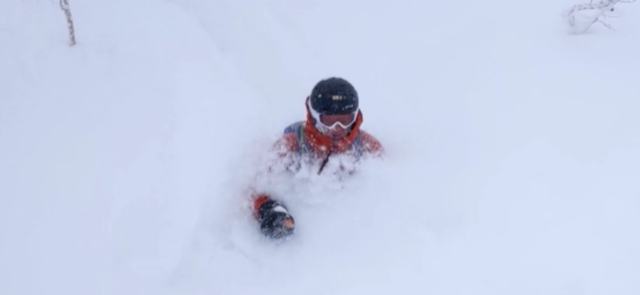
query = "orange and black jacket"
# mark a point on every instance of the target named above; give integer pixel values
(303, 138)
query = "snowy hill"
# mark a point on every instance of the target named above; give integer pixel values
(512, 165)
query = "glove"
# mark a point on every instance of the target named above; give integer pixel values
(275, 220)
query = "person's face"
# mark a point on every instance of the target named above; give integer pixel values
(337, 126)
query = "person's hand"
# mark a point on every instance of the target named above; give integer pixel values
(275, 220)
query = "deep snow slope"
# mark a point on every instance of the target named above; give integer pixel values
(512, 149)
(107, 148)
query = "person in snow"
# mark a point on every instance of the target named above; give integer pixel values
(332, 127)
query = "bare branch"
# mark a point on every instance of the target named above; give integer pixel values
(64, 5)
(592, 13)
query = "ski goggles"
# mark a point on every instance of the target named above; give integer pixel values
(343, 120)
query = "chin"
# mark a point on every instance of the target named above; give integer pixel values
(336, 134)
(341, 136)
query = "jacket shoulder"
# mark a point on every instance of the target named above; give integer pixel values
(293, 128)
(288, 142)
(370, 143)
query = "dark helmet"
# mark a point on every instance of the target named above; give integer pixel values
(334, 96)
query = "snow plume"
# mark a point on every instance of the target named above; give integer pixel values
(334, 218)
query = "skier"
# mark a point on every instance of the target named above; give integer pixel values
(332, 127)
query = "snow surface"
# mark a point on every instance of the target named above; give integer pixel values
(512, 165)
